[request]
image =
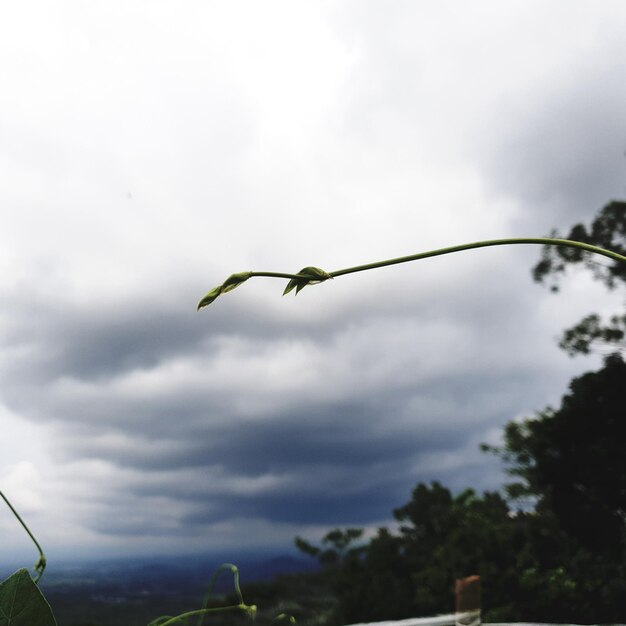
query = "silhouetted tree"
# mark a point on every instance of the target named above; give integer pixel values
(337, 545)
(442, 537)
(449, 537)
(607, 230)
(571, 463)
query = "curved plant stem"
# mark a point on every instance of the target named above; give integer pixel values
(277, 275)
(567, 243)
(312, 275)
(40, 566)
(235, 572)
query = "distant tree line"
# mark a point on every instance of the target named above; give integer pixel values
(551, 549)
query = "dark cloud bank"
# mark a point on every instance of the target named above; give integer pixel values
(384, 401)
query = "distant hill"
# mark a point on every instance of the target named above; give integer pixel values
(131, 592)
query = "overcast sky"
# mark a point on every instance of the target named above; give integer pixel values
(148, 149)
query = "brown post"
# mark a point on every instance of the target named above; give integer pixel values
(467, 592)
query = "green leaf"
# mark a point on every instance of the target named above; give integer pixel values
(291, 285)
(310, 276)
(320, 275)
(209, 297)
(234, 280)
(22, 603)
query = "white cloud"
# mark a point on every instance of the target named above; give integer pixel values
(22, 482)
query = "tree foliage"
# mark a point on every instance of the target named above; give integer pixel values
(571, 463)
(336, 546)
(441, 537)
(607, 230)
(572, 460)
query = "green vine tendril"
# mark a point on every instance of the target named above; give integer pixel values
(40, 566)
(249, 609)
(313, 275)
